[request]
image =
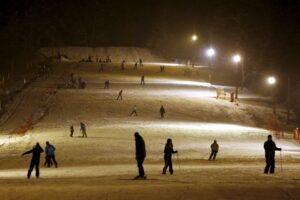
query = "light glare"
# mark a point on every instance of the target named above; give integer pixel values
(271, 80)
(236, 58)
(210, 52)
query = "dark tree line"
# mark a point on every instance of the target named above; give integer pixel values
(265, 32)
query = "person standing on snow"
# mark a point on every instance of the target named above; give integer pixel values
(35, 160)
(83, 129)
(106, 84)
(120, 95)
(162, 112)
(71, 130)
(50, 155)
(214, 150)
(168, 156)
(134, 111)
(135, 66)
(270, 148)
(142, 80)
(140, 154)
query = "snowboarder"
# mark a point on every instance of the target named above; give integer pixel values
(120, 95)
(270, 148)
(140, 152)
(35, 161)
(106, 84)
(135, 66)
(214, 150)
(133, 111)
(50, 156)
(83, 129)
(168, 156)
(142, 80)
(71, 130)
(162, 112)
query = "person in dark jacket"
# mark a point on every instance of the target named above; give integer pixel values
(71, 130)
(83, 129)
(270, 148)
(140, 154)
(35, 160)
(120, 95)
(214, 150)
(50, 154)
(162, 112)
(168, 156)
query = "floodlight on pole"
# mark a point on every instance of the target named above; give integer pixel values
(271, 80)
(194, 37)
(210, 52)
(236, 58)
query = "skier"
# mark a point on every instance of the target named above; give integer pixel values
(168, 156)
(135, 66)
(133, 111)
(83, 129)
(270, 148)
(140, 152)
(214, 150)
(101, 67)
(35, 161)
(162, 112)
(71, 130)
(120, 95)
(141, 62)
(106, 84)
(123, 65)
(142, 80)
(50, 156)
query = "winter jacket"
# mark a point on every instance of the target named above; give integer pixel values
(140, 149)
(214, 146)
(169, 150)
(50, 150)
(270, 148)
(36, 153)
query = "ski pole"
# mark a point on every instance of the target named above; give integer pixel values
(178, 162)
(281, 160)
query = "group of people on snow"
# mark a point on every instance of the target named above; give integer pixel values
(140, 155)
(82, 129)
(35, 160)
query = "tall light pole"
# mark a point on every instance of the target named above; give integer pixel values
(271, 80)
(237, 59)
(194, 39)
(210, 53)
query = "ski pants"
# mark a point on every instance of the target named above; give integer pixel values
(34, 163)
(168, 163)
(49, 160)
(270, 165)
(213, 155)
(140, 166)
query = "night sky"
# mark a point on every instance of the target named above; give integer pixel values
(265, 32)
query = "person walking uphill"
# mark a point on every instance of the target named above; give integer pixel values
(35, 160)
(270, 148)
(50, 154)
(140, 154)
(168, 156)
(214, 150)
